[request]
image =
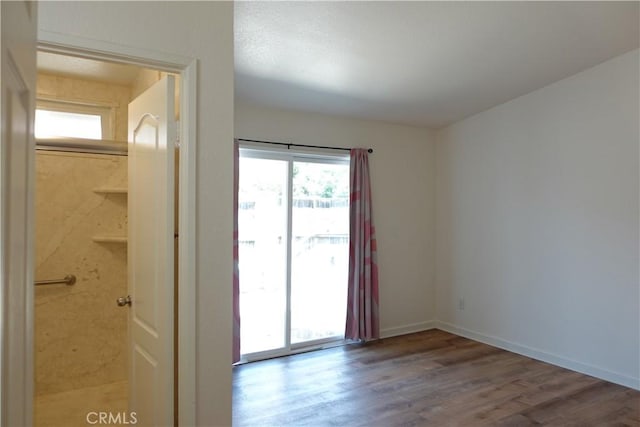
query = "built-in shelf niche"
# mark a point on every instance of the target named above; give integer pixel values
(110, 238)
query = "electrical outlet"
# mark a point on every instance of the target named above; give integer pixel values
(460, 303)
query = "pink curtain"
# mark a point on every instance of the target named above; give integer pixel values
(236, 273)
(362, 300)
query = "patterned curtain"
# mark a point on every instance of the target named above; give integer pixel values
(362, 300)
(236, 273)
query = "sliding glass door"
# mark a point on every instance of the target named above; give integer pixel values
(320, 250)
(262, 230)
(293, 251)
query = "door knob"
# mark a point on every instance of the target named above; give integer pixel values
(122, 301)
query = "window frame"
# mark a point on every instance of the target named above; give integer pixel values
(292, 155)
(105, 111)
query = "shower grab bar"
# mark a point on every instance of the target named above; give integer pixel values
(68, 280)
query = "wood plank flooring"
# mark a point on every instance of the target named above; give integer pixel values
(431, 378)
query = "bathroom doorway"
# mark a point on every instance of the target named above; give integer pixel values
(81, 345)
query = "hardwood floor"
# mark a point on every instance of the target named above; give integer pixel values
(431, 378)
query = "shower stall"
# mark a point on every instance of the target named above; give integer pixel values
(80, 333)
(80, 344)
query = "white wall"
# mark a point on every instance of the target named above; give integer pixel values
(202, 30)
(538, 201)
(403, 192)
(537, 223)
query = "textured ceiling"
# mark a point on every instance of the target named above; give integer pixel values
(420, 63)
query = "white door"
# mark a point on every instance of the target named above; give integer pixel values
(17, 86)
(152, 134)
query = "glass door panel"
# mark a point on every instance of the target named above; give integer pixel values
(319, 250)
(262, 238)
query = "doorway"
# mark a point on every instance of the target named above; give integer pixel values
(82, 355)
(293, 232)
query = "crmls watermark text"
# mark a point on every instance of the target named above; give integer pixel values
(111, 418)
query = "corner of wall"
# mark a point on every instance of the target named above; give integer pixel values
(439, 141)
(537, 207)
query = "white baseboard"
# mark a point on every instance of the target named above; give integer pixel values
(540, 355)
(407, 329)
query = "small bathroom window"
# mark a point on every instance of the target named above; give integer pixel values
(55, 119)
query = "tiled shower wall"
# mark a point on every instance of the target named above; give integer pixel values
(80, 332)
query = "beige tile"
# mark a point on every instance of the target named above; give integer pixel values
(80, 333)
(71, 408)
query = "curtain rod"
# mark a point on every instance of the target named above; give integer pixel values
(289, 145)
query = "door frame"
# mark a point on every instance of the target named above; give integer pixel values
(186, 67)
